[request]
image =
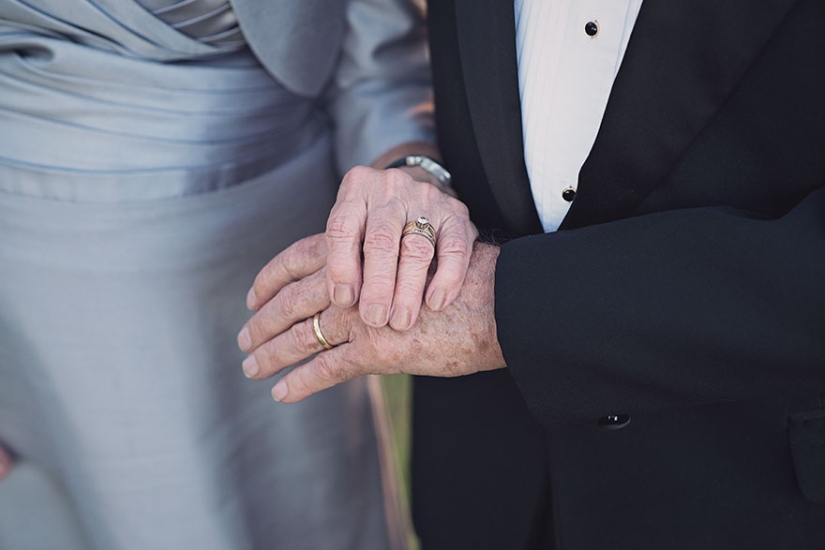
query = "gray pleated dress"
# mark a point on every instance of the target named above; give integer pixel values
(148, 168)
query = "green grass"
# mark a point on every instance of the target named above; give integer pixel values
(397, 391)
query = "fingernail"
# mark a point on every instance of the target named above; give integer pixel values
(280, 391)
(401, 318)
(251, 299)
(250, 366)
(343, 295)
(244, 339)
(376, 315)
(437, 300)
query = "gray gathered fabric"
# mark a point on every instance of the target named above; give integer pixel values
(148, 170)
(124, 123)
(210, 21)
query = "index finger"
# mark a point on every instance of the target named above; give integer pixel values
(299, 260)
(322, 372)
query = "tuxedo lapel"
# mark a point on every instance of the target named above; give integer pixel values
(487, 45)
(683, 60)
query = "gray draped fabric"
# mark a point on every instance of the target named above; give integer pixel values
(126, 126)
(145, 176)
(210, 21)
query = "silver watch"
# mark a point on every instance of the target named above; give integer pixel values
(428, 165)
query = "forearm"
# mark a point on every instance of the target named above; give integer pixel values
(380, 97)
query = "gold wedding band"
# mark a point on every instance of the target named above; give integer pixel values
(421, 226)
(316, 328)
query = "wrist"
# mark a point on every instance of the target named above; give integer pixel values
(425, 169)
(419, 174)
(480, 293)
(427, 164)
(397, 156)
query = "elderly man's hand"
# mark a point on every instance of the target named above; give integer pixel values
(460, 339)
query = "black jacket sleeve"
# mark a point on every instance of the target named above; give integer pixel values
(668, 309)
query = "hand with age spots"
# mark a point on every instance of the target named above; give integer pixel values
(461, 339)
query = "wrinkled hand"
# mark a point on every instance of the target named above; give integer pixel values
(373, 207)
(461, 339)
(290, 288)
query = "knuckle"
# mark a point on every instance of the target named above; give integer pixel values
(349, 369)
(294, 262)
(326, 370)
(303, 339)
(287, 303)
(380, 239)
(288, 265)
(361, 172)
(355, 176)
(339, 325)
(342, 272)
(408, 292)
(453, 246)
(377, 289)
(268, 275)
(340, 228)
(413, 295)
(417, 247)
(294, 341)
(302, 248)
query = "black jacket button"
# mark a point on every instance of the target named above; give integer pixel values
(614, 421)
(591, 28)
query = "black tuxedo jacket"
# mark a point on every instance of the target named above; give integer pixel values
(666, 348)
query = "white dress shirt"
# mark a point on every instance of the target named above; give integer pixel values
(569, 52)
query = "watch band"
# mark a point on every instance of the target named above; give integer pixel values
(428, 165)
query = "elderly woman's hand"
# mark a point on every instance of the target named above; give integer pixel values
(369, 217)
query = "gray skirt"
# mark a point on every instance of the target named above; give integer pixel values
(121, 388)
